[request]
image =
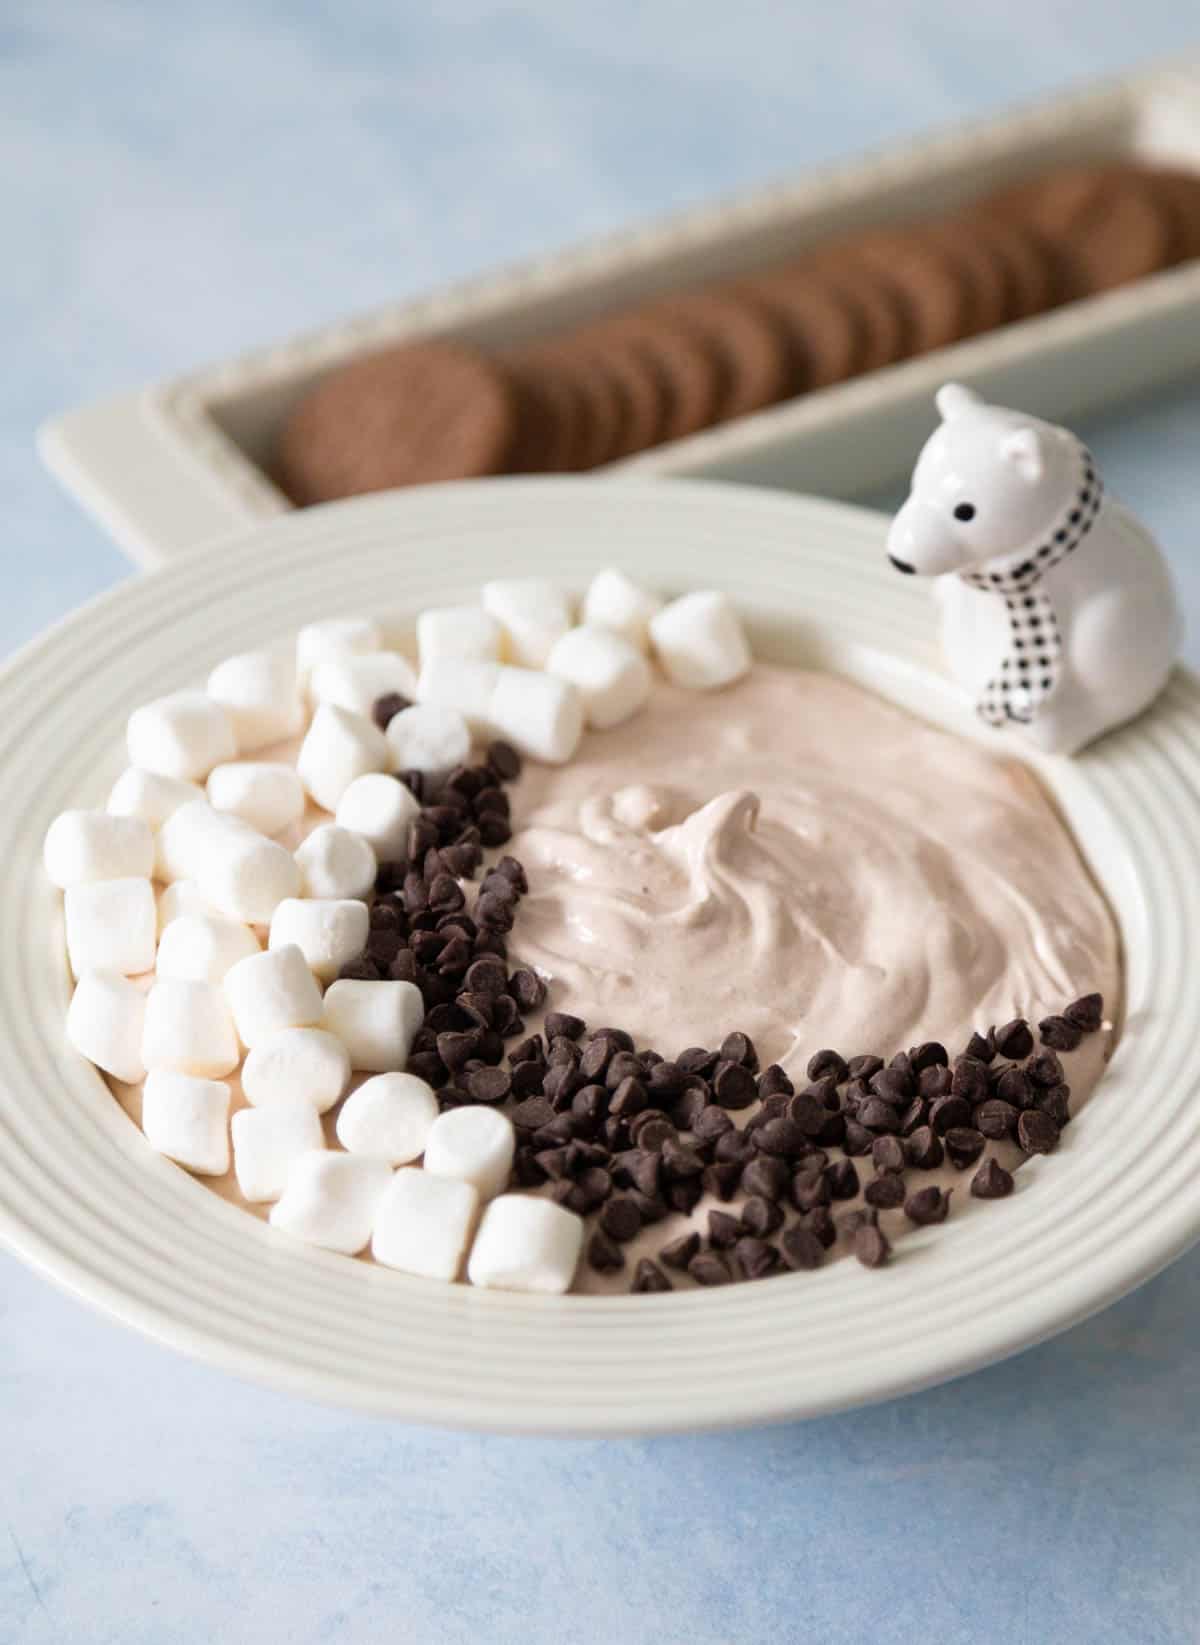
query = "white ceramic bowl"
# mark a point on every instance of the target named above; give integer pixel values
(85, 1200)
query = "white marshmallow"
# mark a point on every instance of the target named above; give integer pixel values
(388, 1117)
(699, 641)
(526, 1244)
(339, 747)
(428, 737)
(192, 836)
(179, 898)
(188, 1120)
(533, 613)
(475, 1144)
(151, 797)
(610, 673)
(330, 1199)
(332, 640)
(423, 1224)
(203, 947)
(265, 1143)
(111, 926)
(267, 795)
(104, 1024)
(84, 847)
(188, 1030)
(260, 692)
(615, 601)
(334, 862)
(462, 631)
(304, 1067)
(356, 683)
(380, 809)
(270, 991)
(328, 933)
(375, 1021)
(539, 714)
(244, 875)
(183, 735)
(462, 685)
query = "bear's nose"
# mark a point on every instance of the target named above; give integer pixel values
(903, 565)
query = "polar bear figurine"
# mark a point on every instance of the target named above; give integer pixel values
(1058, 611)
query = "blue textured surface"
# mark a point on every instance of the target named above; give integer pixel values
(175, 189)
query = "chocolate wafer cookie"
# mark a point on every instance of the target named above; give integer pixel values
(612, 347)
(932, 285)
(824, 328)
(748, 341)
(414, 413)
(883, 318)
(689, 368)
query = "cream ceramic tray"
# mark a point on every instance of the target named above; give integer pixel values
(172, 465)
(85, 1200)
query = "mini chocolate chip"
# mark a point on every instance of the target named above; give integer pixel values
(970, 1079)
(864, 1068)
(723, 1179)
(885, 1192)
(1044, 1068)
(996, 1118)
(1036, 1132)
(1087, 1012)
(887, 1154)
(927, 1206)
(648, 1276)
(1060, 1033)
(894, 1085)
(772, 1080)
(858, 1139)
(842, 1179)
(709, 1268)
(877, 1115)
(809, 1188)
(871, 1246)
(1014, 1039)
(935, 1082)
(982, 1047)
(932, 1054)
(678, 1253)
(963, 1144)
(802, 1248)
(823, 1064)
(991, 1181)
(603, 1254)
(948, 1112)
(733, 1085)
(755, 1258)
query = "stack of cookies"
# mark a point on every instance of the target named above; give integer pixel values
(667, 367)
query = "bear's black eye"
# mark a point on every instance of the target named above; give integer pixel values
(965, 511)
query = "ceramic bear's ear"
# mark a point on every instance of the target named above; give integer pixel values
(952, 399)
(1023, 450)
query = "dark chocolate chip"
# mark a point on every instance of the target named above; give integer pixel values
(826, 1064)
(722, 1179)
(647, 1172)
(428, 1066)
(739, 1048)
(384, 709)
(842, 1179)
(858, 1139)
(894, 1085)
(456, 1048)
(620, 1219)
(628, 1099)
(678, 1253)
(560, 1023)
(1036, 1132)
(1055, 1100)
(871, 1246)
(1060, 1033)
(932, 1054)
(963, 1144)
(487, 976)
(1015, 1039)
(709, 1268)
(877, 1115)
(597, 1055)
(996, 1118)
(865, 1216)
(927, 1206)
(914, 1116)
(885, 1192)
(604, 1254)
(772, 1080)
(650, 1206)
(733, 1085)
(982, 1047)
(489, 1084)
(678, 1160)
(625, 1066)
(1014, 1087)
(765, 1176)
(755, 1258)
(819, 1222)
(532, 1114)
(809, 1189)
(761, 1216)
(1087, 1013)
(1044, 1068)
(888, 1154)
(504, 760)
(991, 1181)
(527, 988)
(864, 1068)
(648, 1276)
(782, 1137)
(970, 1079)
(935, 1082)
(801, 1248)
(807, 1114)
(710, 1124)
(948, 1112)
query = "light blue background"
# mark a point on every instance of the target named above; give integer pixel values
(174, 188)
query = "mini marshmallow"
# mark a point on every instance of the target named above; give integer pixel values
(467, 632)
(188, 1030)
(428, 737)
(380, 809)
(266, 1141)
(203, 947)
(111, 926)
(151, 797)
(192, 836)
(474, 1144)
(462, 685)
(259, 691)
(388, 1117)
(183, 735)
(305, 1067)
(179, 898)
(539, 714)
(356, 683)
(328, 933)
(339, 747)
(333, 640)
(526, 1244)
(533, 613)
(375, 1021)
(610, 673)
(187, 1119)
(267, 795)
(616, 602)
(244, 875)
(699, 641)
(104, 1024)
(334, 862)
(270, 991)
(330, 1199)
(83, 847)
(423, 1224)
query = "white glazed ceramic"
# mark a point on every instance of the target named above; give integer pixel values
(83, 1198)
(174, 464)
